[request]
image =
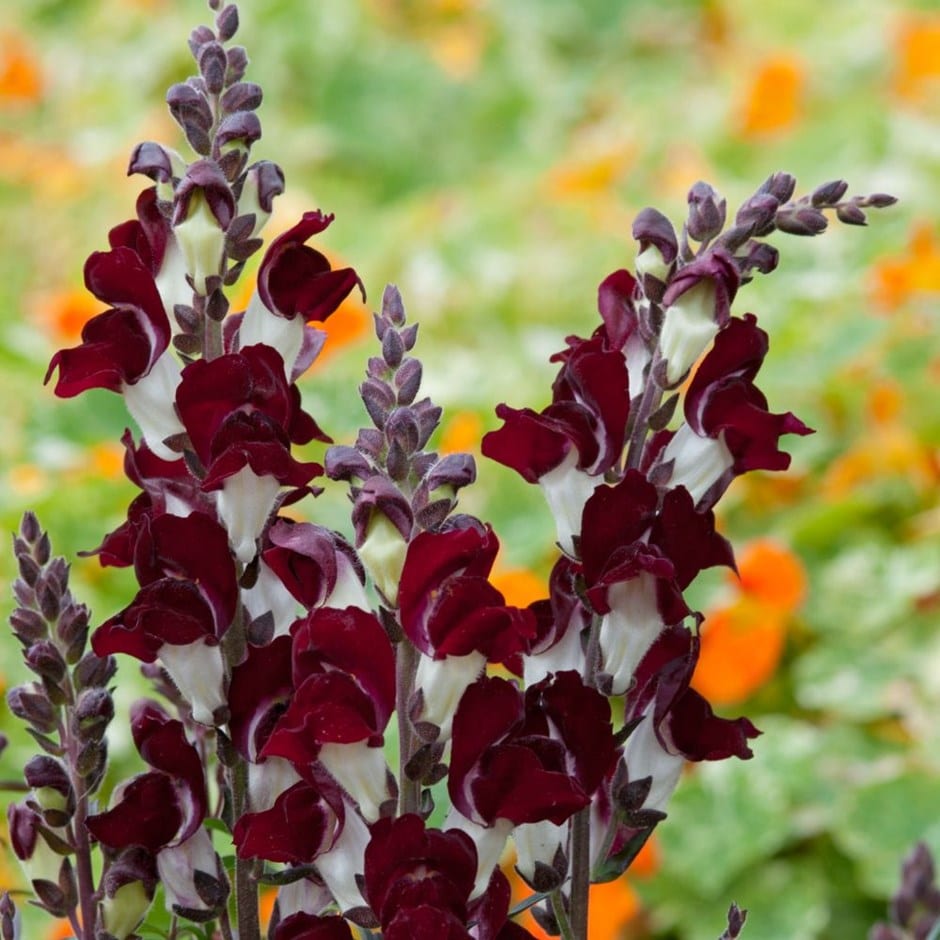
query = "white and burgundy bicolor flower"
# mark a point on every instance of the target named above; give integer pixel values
(675, 723)
(455, 617)
(574, 440)
(524, 758)
(728, 429)
(242, 415)
(419, 882)
(185, 604)
(163, 810)
(296, 286)
(641, 549)
(343, 672)
(124, 349)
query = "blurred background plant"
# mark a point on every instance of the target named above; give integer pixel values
(489, 158)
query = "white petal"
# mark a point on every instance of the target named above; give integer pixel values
(630, 628)
(338, 867)
(244, 504)
(150, 403)
(348, 591)
(361, 771)
(259, 325)
(688, 327)
(646, 757)
(268, 779)
(537, 842)
(700, 462)
(566, 490)
(197, 671)
(442, 683)
(489, 840)
(176, 865)
(268, 595)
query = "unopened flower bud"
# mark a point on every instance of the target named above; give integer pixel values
(829, 193)
(263, 181)
(93, 713)
(123, 910)
(9, 918)
(46, 661)
(706, 212)
(688, 328)
(202, 242)
(28, 625)
(408, 381)
(383, 554)
(212, 65)
(226, 22)
(93, 670)
(31, 704)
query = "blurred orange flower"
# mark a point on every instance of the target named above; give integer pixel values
(917, 51)
(774, 99)
(519, 586)
(60, 930)
(64, 313)
(889, 448)
(743, 641)
(20, 74)
(461, 434)
(897, 278)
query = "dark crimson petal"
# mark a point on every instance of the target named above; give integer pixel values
(528, 443)
(355, 643)
(515, 785)
(295, 279)
(301, 926)
(408, 865)
(615, 304)
(615, 516)
(148, 814)
(114, 351)
(699, 734)
(434, 557)
(688, 537)
(163, 744)
(147, 235)
(489, 710)
(194, 548)
(628, 562)
(722, 398)
(300, 826)
(581, 716)
(425, 923)
(651, 227)
(250, 380)
(258, 694)
(327, 707)
(304, 557)
(264, 457)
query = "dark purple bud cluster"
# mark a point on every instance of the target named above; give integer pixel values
(388, 468)
(736, 919)
(914, 911)
(67, 710)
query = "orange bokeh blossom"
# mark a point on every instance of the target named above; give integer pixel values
(743, 640)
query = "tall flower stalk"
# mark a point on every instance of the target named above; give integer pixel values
(333, 702)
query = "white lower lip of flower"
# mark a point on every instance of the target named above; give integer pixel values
(629, 629)
(566, 491)
(699, 462)
(442, 683)
(125, 910)
(348, 591)
(383, 554)
(171, 281)
(537, 842)
(688, 327)
(302, 896)
(361, 771)
(338, 867)
(565, 654)
(244, 503)
(201, 241)
(176, 865)
(197, 671)
(150, 403)
(489, 841)
(645, 756)
(285, 335)
(268, 595)
(267, 780)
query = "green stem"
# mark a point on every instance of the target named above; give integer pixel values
(246, 887)
(580, 872)
(409, 791)
(561, 915)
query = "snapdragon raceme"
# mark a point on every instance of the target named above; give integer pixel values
(322, 696)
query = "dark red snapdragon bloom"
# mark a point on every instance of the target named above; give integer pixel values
(186, 602)
(675, 723)
(301, 926)
(456, 618)
(166, 805)
(343, 670)
(728, 429)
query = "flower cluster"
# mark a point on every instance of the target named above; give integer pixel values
(331, 691)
